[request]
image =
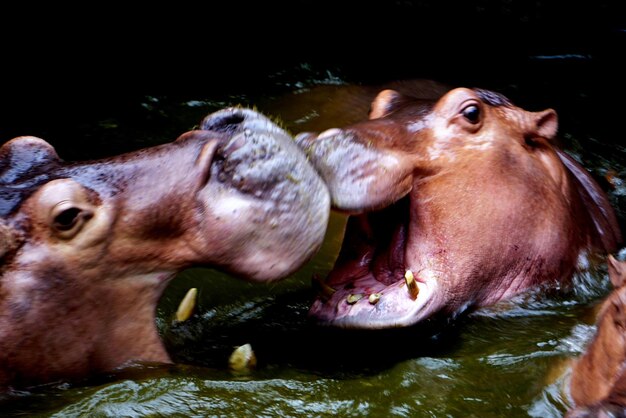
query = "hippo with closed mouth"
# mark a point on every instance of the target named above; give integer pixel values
(454, 203)
(87, 248)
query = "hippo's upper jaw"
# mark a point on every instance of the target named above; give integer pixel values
(465, 196)
(237, 194)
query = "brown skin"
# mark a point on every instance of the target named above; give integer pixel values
(468, 192)
(598, 379)
(86, 249)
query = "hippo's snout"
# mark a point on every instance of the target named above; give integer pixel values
(269, 205)
(359, 176)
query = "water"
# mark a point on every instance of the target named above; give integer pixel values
(506, 360)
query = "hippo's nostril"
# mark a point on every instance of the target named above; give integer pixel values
(228, 123)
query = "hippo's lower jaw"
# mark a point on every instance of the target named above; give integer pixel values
(370, 304)
(379, 286)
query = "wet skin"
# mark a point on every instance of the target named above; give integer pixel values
(598, 379)
(467, 194)
(87, 248)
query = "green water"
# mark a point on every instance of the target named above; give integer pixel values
(508, 360)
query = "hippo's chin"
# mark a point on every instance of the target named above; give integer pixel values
(370, 286)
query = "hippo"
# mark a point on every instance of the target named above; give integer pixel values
(598, 379)
(453, 204)
(87, 248)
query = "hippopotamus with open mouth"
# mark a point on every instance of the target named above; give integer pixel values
(455, 203)
(87, 248)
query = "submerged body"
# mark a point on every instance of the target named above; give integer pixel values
(86, 249)
(454, 203)
(598, 380)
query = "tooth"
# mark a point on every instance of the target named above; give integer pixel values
(411, 284)
(374, 298)
(354, 298)
(187, 305)
(325, 289)
(242, 360)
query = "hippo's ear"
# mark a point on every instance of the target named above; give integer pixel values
(596, 202)
(546, 123)
(617, 271)
(386, 102)
(24, 154)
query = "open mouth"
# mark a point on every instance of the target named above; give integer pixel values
(374, 284)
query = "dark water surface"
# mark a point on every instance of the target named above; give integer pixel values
(509, 360)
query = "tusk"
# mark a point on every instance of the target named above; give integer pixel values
(187, 305)
(411, 284)
(242, 360)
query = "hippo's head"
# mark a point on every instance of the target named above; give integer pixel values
(455, 203)
(86, 248)
(598, 378)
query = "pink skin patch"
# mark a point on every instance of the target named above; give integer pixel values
(372, 262)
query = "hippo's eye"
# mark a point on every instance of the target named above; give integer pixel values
(67, 219)
(471, 113)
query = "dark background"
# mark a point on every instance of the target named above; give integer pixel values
(64, 67)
